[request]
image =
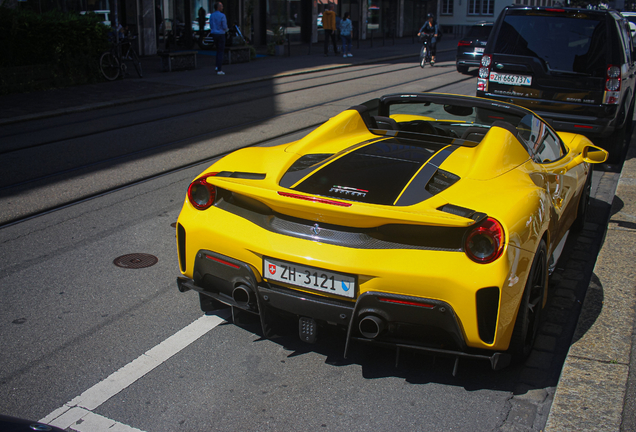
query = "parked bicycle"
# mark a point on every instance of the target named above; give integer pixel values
(112, 62)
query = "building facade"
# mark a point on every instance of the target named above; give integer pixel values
(257, 19)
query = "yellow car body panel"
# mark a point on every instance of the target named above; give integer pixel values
(394, 271)
(534, 201)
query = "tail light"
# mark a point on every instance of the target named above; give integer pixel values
(463, 43)
(201, 194)
(486, 62)
(612, 85)
(484, 72)
(485, 243)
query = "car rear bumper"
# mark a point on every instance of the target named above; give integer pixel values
(468, 61)
(399, 321)
(592, 120)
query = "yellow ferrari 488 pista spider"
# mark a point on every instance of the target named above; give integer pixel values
(425, 221)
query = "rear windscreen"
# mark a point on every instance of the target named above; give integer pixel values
(571, 42)
(478, 33)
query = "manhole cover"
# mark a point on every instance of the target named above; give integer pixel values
(135, 261)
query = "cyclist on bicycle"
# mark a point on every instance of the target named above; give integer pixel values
(431, 31)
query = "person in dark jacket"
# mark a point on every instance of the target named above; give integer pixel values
(431, 29)
(329, 25)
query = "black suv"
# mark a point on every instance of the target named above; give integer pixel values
(471, 47)
(574, 67)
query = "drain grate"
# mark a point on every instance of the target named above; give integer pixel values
(136, 261)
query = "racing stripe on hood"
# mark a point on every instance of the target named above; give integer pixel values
(416, 191)
(299, 169)
(375, 173)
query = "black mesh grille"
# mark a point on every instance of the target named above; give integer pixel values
(441, 180)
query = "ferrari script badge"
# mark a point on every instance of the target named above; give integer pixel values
(351, 191)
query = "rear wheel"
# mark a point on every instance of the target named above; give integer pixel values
(529, 315)
(614, 144)
(109, 65)
(618, 141)
(584, 204)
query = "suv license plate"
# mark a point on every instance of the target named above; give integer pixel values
(479, 50)
(309, 277)
(510, 79)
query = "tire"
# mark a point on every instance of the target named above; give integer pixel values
(614, 144)
(136, 63)
(462, 69)
(109, 65)
(584, 204)
(529, 314)
(629, 122)
(423, 57)
(618, 141)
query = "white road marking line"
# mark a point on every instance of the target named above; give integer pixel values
(76, 413)
(82, 420)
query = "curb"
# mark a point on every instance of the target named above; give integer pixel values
(593, 385)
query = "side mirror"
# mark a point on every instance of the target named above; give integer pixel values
(593, 154)
(589, 154)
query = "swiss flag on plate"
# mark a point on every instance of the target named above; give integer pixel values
(272, 269)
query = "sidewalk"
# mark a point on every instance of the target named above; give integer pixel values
(157, 84)
(596, 390)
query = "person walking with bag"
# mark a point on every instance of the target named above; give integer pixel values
(329, 25)
(345, 35)
(218, 27)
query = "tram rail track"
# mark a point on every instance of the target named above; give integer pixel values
(43, 185)
(204, 94)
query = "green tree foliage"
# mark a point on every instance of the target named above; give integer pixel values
(65, 45)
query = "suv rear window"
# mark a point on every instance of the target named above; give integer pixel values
(567, 42)
(478, 32)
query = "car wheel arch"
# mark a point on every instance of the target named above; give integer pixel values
(527, 319)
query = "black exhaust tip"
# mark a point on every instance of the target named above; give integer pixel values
(371, 326)
(243, 295)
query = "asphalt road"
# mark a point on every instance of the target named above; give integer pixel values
(125, 346)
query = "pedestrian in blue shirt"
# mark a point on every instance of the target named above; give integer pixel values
(218, 27)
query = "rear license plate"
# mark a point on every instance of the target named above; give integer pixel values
(309, 277)
(479, 50)
(510, 79)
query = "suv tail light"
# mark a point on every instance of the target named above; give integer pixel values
(463, 43)
(612, 85)
(484, 72)
(201, 194)
(485, 243)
